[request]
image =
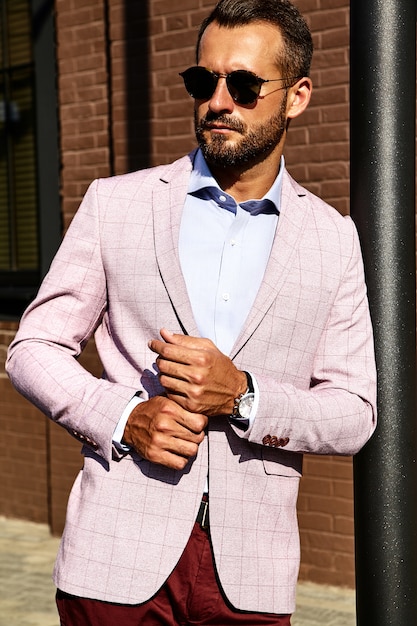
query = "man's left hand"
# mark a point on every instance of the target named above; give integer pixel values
(196, 374)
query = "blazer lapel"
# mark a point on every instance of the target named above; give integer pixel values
(168, 199)
(289, 230)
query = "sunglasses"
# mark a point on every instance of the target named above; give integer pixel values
(243, 86)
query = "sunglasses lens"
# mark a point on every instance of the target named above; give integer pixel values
(244, 86)
(199, 82)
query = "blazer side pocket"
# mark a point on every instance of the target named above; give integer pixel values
(281, 463)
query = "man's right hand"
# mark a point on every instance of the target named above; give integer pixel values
(163, 432)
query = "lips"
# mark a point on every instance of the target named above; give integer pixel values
(218, 127)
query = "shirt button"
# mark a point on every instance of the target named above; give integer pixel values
(226, 296)
(222, 198)
(233, 242)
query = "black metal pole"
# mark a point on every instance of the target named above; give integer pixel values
(383, 110)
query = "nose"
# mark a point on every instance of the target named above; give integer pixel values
(221, 100)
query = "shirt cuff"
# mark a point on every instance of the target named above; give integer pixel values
(120, 428)
(255, 401)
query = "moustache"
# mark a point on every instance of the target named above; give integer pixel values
(206, 122)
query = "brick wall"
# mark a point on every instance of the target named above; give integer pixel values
(122, 106)
(317, 152)
(23, 455)
(325, 512)
(84, 103)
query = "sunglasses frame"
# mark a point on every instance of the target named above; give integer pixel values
(252, 90)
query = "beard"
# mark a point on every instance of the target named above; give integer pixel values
(254, 145)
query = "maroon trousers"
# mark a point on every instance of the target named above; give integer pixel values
(191, 596)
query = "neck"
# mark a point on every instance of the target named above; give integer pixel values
(245, 183)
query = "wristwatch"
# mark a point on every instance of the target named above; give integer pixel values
(243, 404)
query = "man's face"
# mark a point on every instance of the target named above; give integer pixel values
(228, 133)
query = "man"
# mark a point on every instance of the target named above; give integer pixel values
(230, 314)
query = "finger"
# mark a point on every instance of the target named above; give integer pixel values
(186, 341)
(175, 455)
(173, 445)
(175, 421)
(193, 425)
(173, 374)
(156, 345)
(177, 354)
(171, 460)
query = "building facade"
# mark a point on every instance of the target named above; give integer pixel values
(90, 88)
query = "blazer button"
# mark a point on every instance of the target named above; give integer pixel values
(275, 442)
(91, 443)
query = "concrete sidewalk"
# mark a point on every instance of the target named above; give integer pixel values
(27, 553)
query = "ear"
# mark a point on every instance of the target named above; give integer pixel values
(299, 97)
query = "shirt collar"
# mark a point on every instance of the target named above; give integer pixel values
(201, 177)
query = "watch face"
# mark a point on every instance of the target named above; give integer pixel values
(245, 405)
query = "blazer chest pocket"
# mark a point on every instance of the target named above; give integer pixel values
(304, 304)
(280, 463)
(294, 325)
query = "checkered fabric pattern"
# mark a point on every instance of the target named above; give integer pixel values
(308, 341)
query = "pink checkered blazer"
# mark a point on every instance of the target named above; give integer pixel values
(308, 340)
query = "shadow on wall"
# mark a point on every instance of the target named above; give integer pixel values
(138, 83)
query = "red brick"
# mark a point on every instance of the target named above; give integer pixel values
(174, 40)
(177, 22)
(332, 4)
(335, 38)
(315, 521)
(165, 7)
(327, 20)
(344, 525)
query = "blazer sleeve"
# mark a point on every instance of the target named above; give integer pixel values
(336, 414)
(42, 359)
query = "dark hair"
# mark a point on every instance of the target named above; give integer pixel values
(298, 45)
